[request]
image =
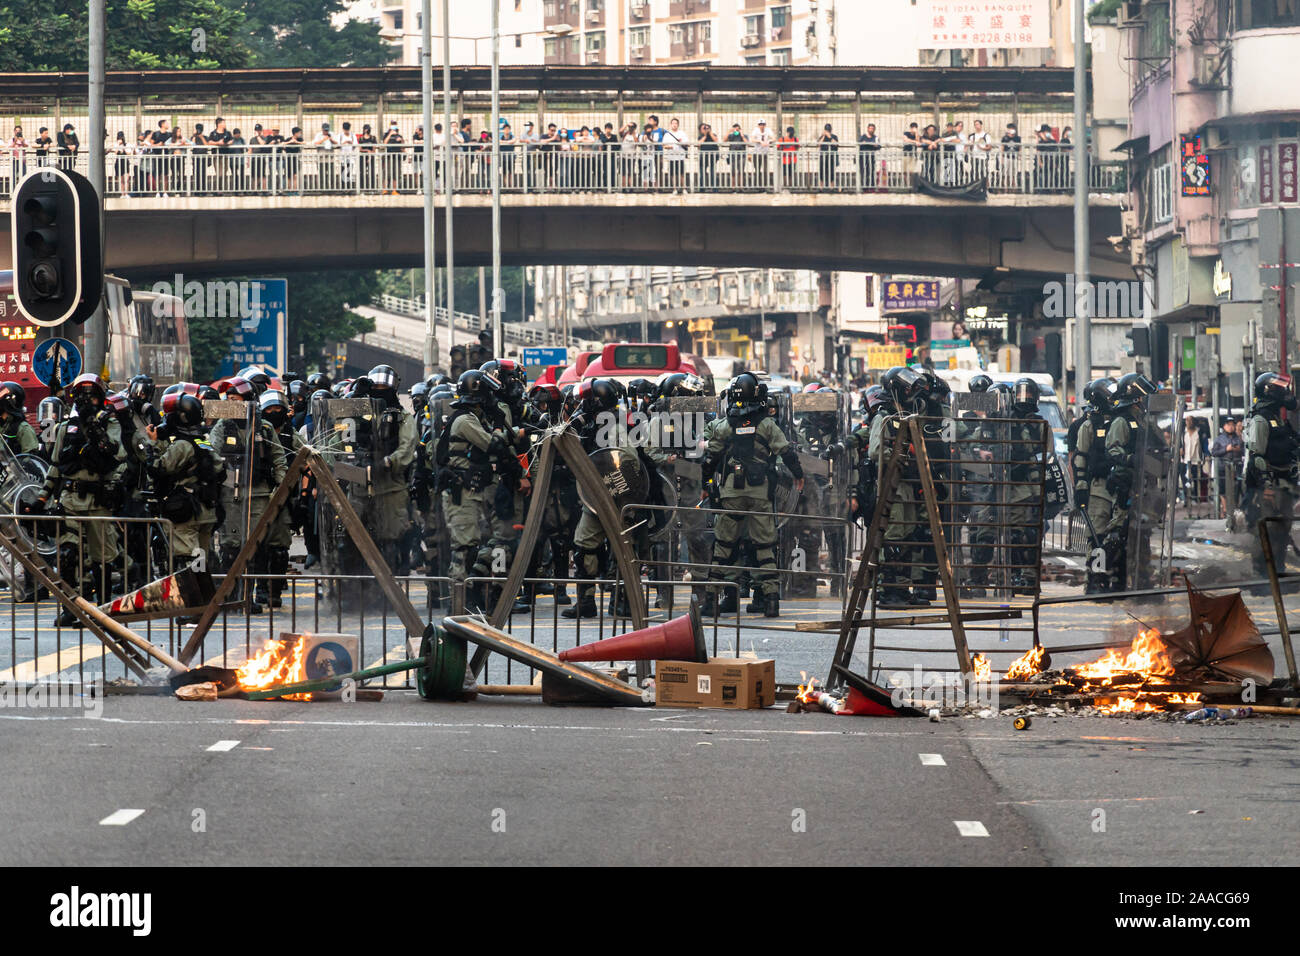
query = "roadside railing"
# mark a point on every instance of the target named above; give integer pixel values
(273, 171)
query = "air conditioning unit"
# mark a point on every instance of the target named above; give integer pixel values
(750, 39)
(638, 52)
(593, 56)
(593, 16)
(1208, 67)
(640, 9)
(1129, 221)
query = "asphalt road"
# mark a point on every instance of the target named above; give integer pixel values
(515, 782)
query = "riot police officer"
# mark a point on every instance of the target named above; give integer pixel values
(597, 400)
(188, 475)
(85, 481)
(262, 472)
(14, 430)
(743, 448)
(1086, 444)
(274, 409)
(464, 456)
(1272, 454)
(389, 511)
(907, 389)
(819, 433)
(1131, 392)
(1025, 476)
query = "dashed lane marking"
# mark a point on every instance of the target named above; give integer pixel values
(932, 760)
(221, 746)
(120, 818)
(971, 828)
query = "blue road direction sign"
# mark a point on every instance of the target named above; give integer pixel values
(536, 360)
(262, 337)
(56, 354)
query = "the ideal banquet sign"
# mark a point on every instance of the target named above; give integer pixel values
(985, 24)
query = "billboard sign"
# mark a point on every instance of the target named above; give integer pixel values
(984, 24)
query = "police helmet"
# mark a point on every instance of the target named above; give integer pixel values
(1026, 394)
(183, 410)
(906, 386)
(1274, 387)
(13, 398)
(980, 383)
(873, 398)
(141, 391)
(119, 403)
(746, 394)
(383, 377)
(88, 387)
(546, 397)
(237, 389)
(273, 406)
(1100, 394)
(257, 377)
(49, 411)
(597, 395)
(475, 388)
(1131, 389)
(205, 393)
(317, 381)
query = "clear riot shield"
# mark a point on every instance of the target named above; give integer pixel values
(822, 420)
(1150, 531)
(979, 505)
(232, 438)
(345, 436)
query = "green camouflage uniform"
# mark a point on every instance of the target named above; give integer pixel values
(85, 480)
(1271, 455)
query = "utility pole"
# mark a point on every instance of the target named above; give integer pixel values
(96, 327)
(430, 271)
(1082, 238)
(645, 302)
(448, 170)
(498, 293)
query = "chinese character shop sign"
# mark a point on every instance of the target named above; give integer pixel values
(984, 24)
(1286, 172)
(911, 294)
(1195, 165)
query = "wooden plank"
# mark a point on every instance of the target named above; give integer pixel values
(930, 502)
(909, 620)
(232, 579)
(483, 634)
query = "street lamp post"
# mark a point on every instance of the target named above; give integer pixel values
(448, 170)
(426, 89)
(1083, 296)
(498, 294)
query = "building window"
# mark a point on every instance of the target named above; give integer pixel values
(548, 46)
(573, 45)
(595, 42)
(1153, 41)
(639, 36)
(756, 61)
(596, 5)
(549, 9)
(1257, 14)
(675, 35)
(780, 17)
(706, 36)
(519, 40)
(781, 57)
(754, 25)
(397, 20)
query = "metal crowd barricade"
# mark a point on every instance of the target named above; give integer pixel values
(49, 653)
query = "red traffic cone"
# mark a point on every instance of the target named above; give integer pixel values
(681, 639)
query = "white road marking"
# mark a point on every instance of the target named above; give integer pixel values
(971, 828)
(120, 818)
(932, 760)
(221, 746)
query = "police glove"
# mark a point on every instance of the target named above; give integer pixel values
(1081, 497)
(36, 507)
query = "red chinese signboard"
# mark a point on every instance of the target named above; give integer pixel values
(1195, 165)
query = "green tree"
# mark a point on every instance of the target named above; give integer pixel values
(320, 313)
(301, 34)
(210, 339)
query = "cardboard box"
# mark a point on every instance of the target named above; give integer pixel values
(724, 682)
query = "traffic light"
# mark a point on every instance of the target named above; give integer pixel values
(58, 263)
(1140, 340)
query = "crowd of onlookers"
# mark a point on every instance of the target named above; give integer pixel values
(1204, 460)
(650, 155)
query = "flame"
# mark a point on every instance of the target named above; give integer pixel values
(1027, 664)
(1147, 656)
(279, 662)
(983, 670)
(807, 691)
